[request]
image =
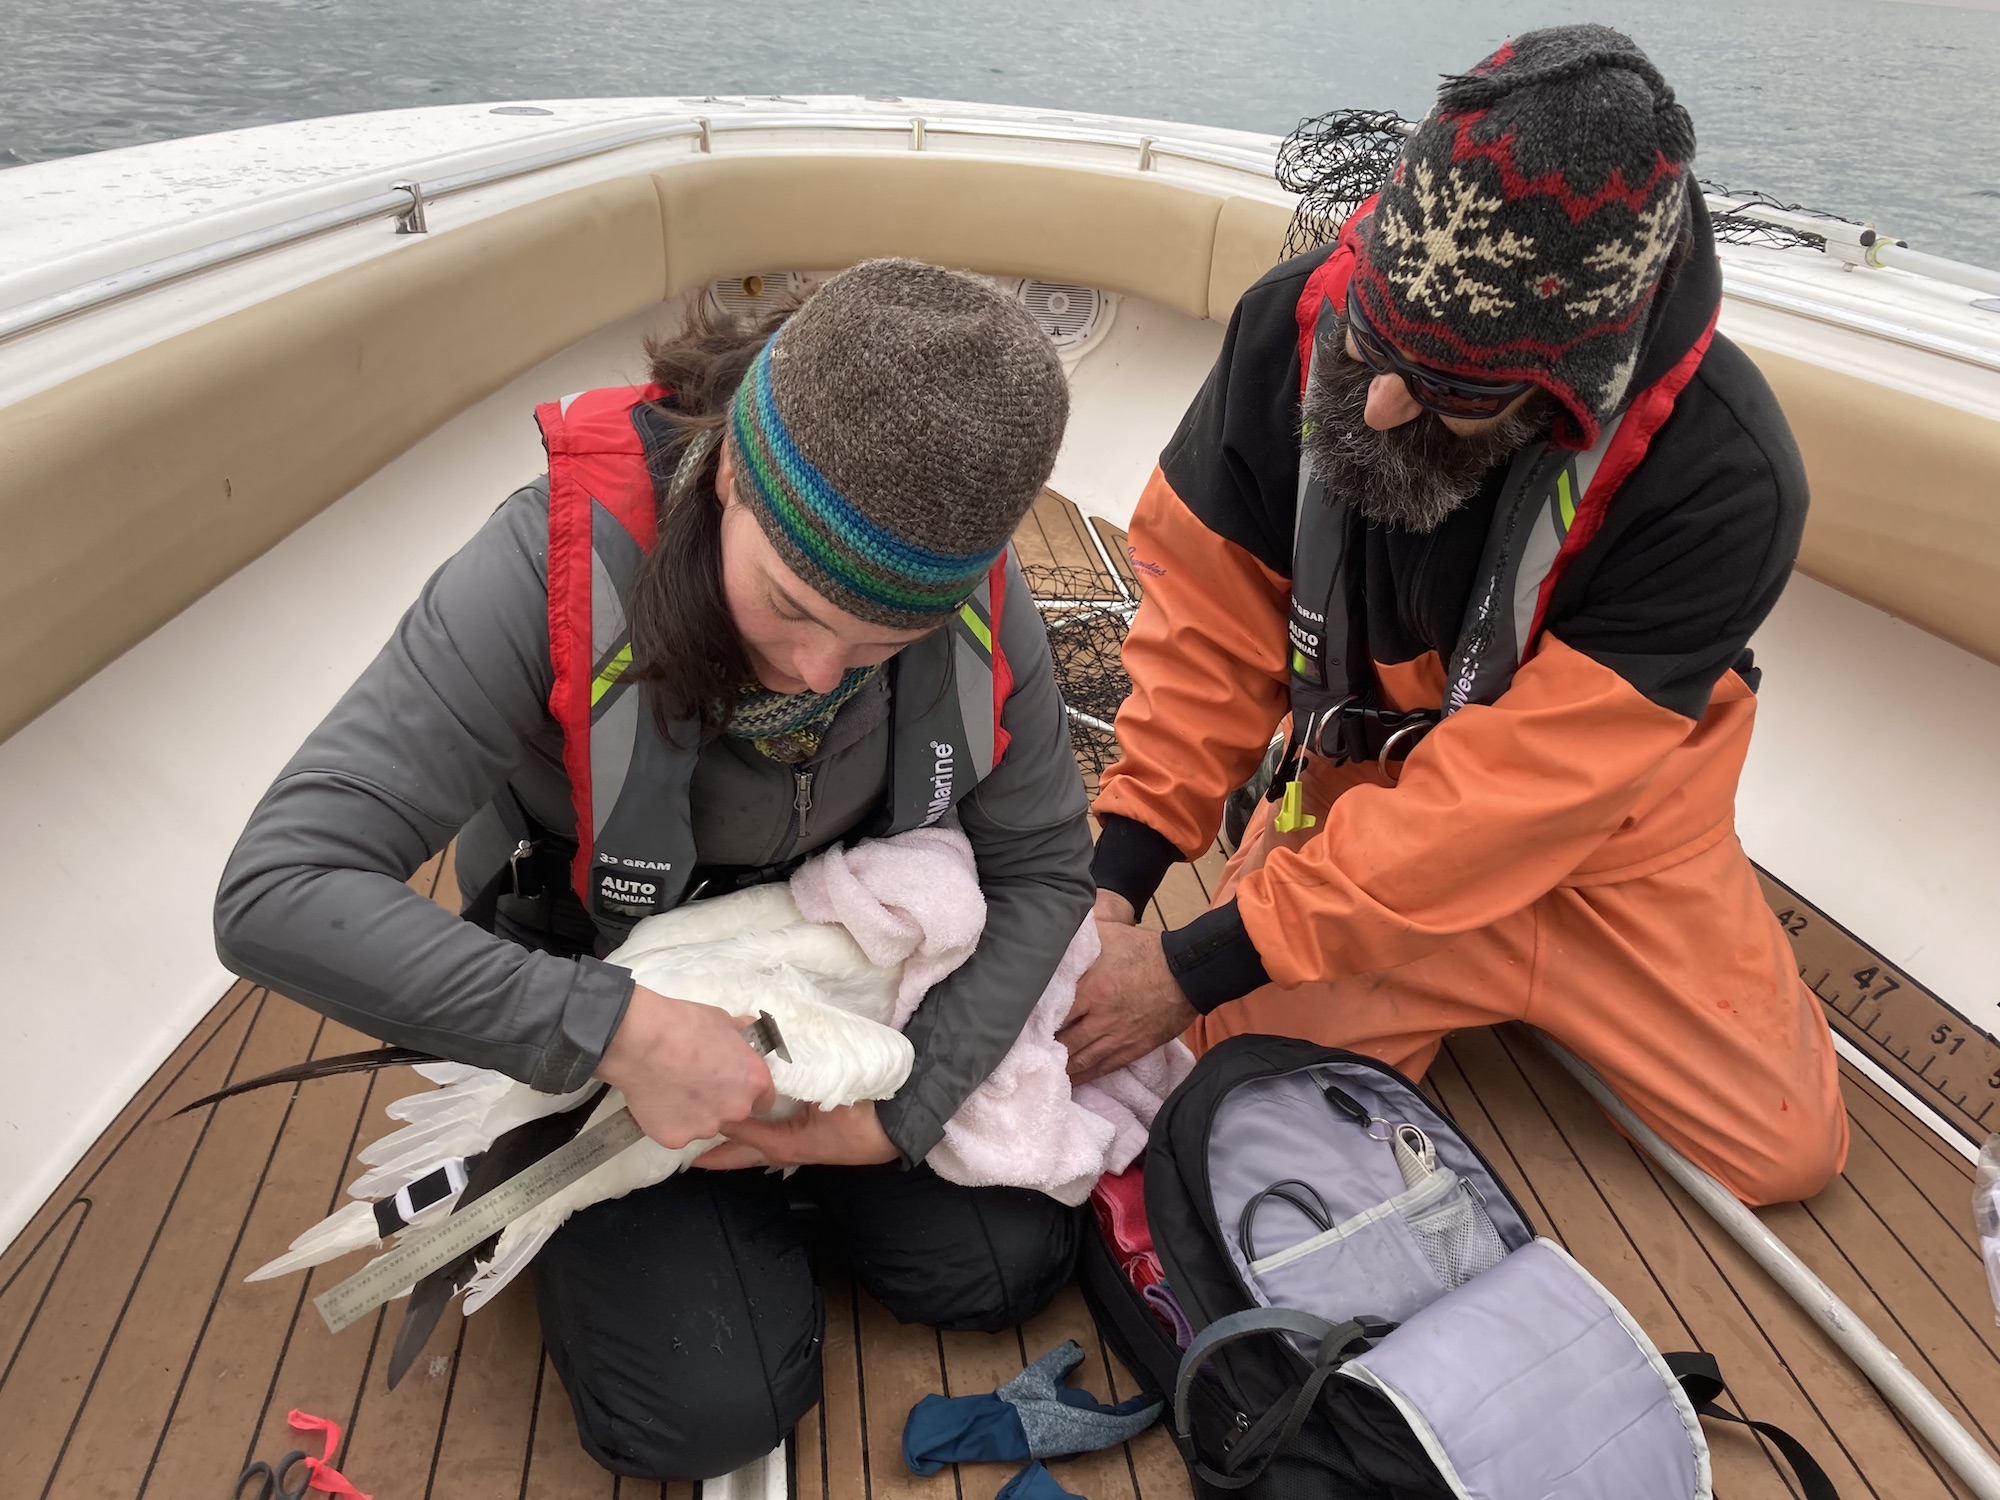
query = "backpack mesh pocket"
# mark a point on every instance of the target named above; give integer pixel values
(1456, 1236)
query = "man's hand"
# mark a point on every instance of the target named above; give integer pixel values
(686, 1071)
(847, 1137)
(1112, 907)
(1126, 1004)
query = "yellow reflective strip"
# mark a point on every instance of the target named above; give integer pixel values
(977, 626)
(1299, 663)
(1565, 499)
(613, 670)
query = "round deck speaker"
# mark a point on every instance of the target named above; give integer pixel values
(1069, 314)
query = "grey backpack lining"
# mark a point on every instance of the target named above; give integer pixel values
(1517, 1372)
(1393, 1246)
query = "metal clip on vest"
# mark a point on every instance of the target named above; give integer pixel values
(1345, 731)
(1417, 726)
(1288, 785)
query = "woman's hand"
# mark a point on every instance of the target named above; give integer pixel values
(850, 1136)
(685, 1069)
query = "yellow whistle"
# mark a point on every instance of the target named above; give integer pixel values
(1292, 814)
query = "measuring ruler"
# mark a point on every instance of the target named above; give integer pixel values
(1918, 1039)
(389, 1276)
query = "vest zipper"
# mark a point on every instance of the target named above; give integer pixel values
(802, 803)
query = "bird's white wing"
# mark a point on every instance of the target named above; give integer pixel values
(746, 952)
(761, 908)
(639, 1165)
(836, 1059)
(349, 1227)
(352, 1226)
(460, 1120)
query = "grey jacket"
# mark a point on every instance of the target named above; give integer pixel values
(313, 900)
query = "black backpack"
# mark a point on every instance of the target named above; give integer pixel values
(1369, 1314)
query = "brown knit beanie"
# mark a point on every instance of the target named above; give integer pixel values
(893, 433)
(1523, 231)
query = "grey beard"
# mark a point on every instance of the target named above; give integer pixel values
(1411, 476)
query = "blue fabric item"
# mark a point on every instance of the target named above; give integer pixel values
(962, 1429)
(1035, 1483)
(1059, 1418)
(1037, 1414)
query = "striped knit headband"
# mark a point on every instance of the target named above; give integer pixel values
(828, 539)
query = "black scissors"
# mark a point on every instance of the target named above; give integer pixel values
(271, 1480)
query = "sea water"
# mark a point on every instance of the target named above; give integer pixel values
(1883, 110)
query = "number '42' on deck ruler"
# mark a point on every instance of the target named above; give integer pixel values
(1915, 1037)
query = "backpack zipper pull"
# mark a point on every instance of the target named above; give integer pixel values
(802, 801)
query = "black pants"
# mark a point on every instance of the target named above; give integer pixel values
(685, 1321)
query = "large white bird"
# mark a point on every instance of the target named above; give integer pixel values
(746, 952)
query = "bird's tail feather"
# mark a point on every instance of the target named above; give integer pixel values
(349, 1227)
(447, 1099)
(445, 1074)
(517, 1247)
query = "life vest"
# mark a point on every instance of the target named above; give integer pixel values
(628, 783)
(1552, 502)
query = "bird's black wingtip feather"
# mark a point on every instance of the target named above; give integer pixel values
(319, 1067)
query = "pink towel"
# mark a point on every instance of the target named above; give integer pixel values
(915, 900)
(1131, 1097)
(912, 900)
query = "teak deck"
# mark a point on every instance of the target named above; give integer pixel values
(138, 1363)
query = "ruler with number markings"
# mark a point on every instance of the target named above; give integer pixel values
(472, 1224)
(389, 1276)
(1919, 1040)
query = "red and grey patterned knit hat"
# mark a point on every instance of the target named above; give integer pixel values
(1523, 232)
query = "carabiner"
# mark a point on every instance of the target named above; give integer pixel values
(1382, 760)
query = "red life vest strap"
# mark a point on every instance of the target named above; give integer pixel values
(595, 455)
(1003, 672)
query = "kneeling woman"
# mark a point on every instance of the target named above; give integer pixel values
(806, 533)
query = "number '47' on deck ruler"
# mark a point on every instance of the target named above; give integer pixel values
(1919, 1040)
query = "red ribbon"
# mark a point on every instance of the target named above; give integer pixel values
(320, 1472)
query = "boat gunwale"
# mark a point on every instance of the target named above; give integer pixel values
(405, 201)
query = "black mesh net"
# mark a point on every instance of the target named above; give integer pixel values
(1740, 229)
(1333, 161)
(1086, 633)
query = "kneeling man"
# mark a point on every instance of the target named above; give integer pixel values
(1481, 499)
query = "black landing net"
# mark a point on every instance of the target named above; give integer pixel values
(1086, 623)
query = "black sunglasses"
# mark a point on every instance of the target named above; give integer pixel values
(1433, 390)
